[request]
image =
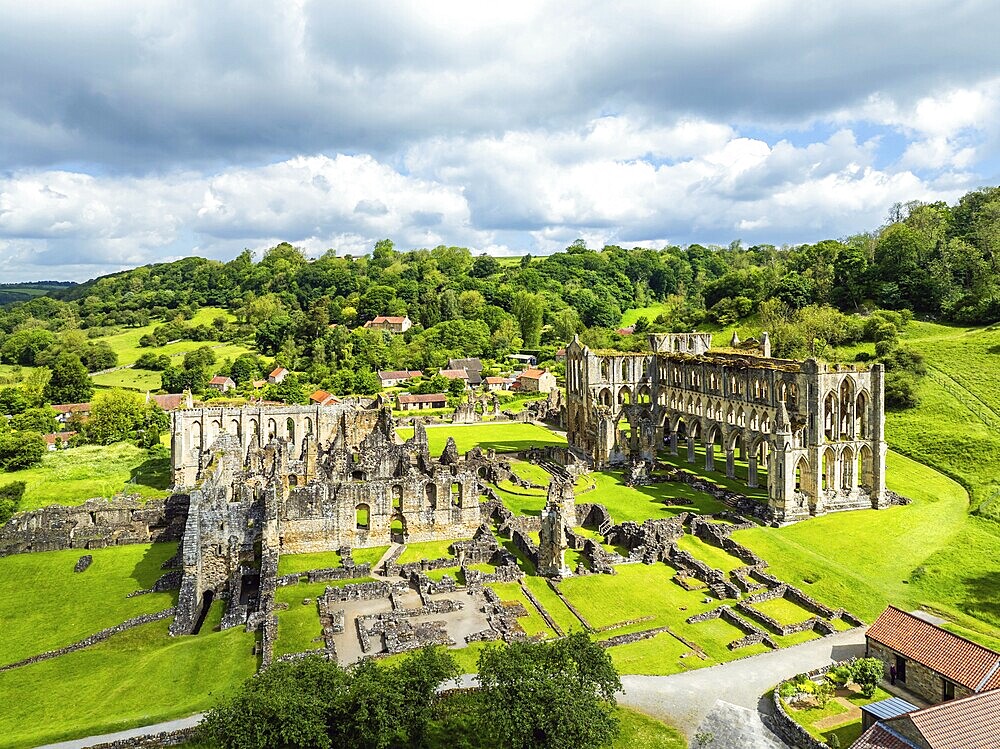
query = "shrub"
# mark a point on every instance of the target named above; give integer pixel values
(10, 499)
(867, 673)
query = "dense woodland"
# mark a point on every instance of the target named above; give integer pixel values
(931, 260)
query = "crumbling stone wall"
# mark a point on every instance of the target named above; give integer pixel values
(126, 519)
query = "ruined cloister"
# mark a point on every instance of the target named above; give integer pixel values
(809, 432)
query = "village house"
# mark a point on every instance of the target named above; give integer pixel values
(527, 360)
(455, 374)
(277, 376)
(323, 398)
(398, 377)
(971, 722)
(536, 381)
(473, 367)
(390, 324)
(561, 354)
(931, 662)
(222, 384)
(421, 402)
(65, 411)
(57, 440)
(492, 384)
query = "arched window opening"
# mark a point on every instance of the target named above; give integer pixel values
(362, 517)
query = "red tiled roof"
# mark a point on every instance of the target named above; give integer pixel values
(532, 374)
(454, 374)
(170, 401)
(960, 660)
(277, 371)
(400, 374)
(497, 380)
(50, 439)
(322, 397)
(69, 408)
(220, 380)
(878, 737)
(425, 398)
(969, 723)
(259, 384)
(389, 318)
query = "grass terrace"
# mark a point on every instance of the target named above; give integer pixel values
(321, 560)
(415, 552)
(532, 624)
(782, 611)
(713, 556)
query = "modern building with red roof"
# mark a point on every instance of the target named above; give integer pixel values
(536, 381)
(929, 661)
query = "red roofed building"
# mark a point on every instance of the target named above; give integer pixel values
(57, 440)
(171, 401)
(455, 374)
(65, 410)
(420, 402)
(277, 376)
(222, 384)
(496, 383)
(972, 722)
(323, 398)
(536, 381)
(930, 661)
(389, 323)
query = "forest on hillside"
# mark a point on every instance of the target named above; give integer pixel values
(930, 259)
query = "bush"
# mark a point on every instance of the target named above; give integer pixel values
(901, 390)
(10, 498)
(867, 672)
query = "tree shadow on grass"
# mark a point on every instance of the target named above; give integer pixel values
(983, 601)
(150, 567)
(154, 472)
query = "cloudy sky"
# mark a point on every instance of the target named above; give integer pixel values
(138, 132)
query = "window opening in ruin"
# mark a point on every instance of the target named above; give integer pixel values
(362, 517)
(290, 429)
(430, 495)
(397, 497)
(456, 494)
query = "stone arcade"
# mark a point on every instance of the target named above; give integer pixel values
(816, 429)
(316, 478)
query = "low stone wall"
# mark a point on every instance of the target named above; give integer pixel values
(785, 726)
(93, 639)
(168, 738)
(126, 519)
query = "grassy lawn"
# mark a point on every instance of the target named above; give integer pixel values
(713, 556)
(45, 605)
(427, 550)
(531, 472)
(639, 730)
(533, 624)
(639, 590)
(13, 374)
(321, 560)
(136, 678)
(929, 554)
(782, 611)
(638, 503)
(71, 477)
(648, 656)
(630, 316)
(504, 437)
(718, 476)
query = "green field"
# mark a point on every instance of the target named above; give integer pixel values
(426, 550)
(504, 437)
(70, 477)
(321, 560)
(929, 554)
(782, 611)
(129, 379)
(630, 316)
(45, 605)
(136, 678)
(13, 374)
(713, 556)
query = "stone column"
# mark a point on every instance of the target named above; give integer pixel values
(752, 471)
(710, 457)
(690, 449)
(730, 464)
(673, 443)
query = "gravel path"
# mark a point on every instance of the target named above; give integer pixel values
(170, 725)
(723, 700)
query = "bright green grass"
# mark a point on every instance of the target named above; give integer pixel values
(126, 344)
(129, 379)
(136, 678)
(639, 590)
(531, 472)
(427, 550)
(70, 477)
(639, 730)
(552, 604)
(13, 374)
(847, 732)
(506, 437)
(782, 611)
(45, 605)
(630, 316)
(718, 475)
(647, 657)
(929, 554)
(713, 556)
(533, 624)
(299, 629)
(318, 560)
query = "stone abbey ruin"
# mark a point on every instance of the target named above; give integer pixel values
(253, 483)
(816, 429)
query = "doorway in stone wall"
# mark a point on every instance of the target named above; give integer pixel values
(397, 529)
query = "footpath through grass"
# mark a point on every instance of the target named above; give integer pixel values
(71, 477)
